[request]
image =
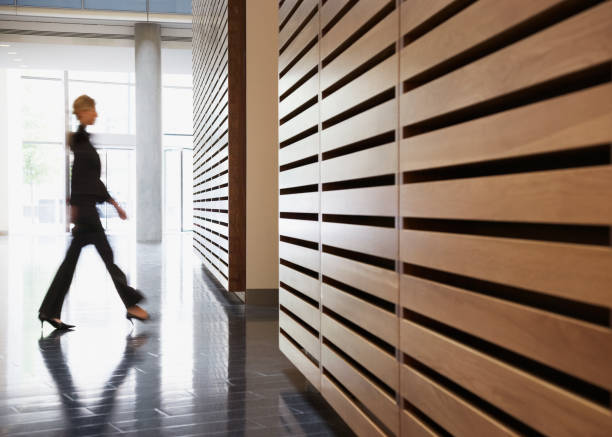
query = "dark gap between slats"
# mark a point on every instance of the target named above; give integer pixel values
(374, 181)
(435, 20)
(438, 430)
(295, 164)
(359, 330)
(569, 83)
(355, 364)
(304, 134)
(299, 321)
(299, 347)
(364, 220)
(577, 234)
(303, 107)
(313, 188)
(368, 65)
(281, 3)
(303, 243)
(357, 402)
(358, 146)
(553, 376)
(299, 56)
(208, 239)
(472, 399)
(376, 18)
(377, 261)
(300, 216)
(301, 269)
(299, 29)
(299, 295)
(510, 36)
(359, 294)
(347, 7)
(224, 211)
(299, 83)
(289, 15)
(370, 103)
(552, 304)
(589, 156)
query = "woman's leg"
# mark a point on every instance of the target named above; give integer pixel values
(128, 295)
(52, 304)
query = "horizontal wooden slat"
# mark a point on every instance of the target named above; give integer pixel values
(373, 42)
(372, 240)
(567, 122)
(539, 404)
(302, 202)
(301, 282)
(330, 10)
(307, 34)
(369, 84)
(575, 196)
(361, 424)
(370, 356)
(299, 255)
(576, 347)
(375, 400)
(379, 322)
(414, 427)
(375, 121)
(375, 161)
(378, 201)
(309, 61)
(308, 313)
(299, 176)
(285, 9)
(553, 268)
(299, 360)
(299, 124)
(544, 56)
(377, 281)
(302, 229)
(448, 410)
(296, 20)
(416, 12)
(300, 334)
(352, 21)
(305, 92)
(305, 148)
(470, 27)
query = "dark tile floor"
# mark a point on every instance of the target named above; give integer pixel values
(205, 364)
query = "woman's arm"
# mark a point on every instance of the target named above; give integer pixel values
(120, 211)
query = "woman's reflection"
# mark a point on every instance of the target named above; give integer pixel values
(55, 361)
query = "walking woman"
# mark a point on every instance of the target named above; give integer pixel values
(86, 191)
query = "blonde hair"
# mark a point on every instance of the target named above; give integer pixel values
(83, 103)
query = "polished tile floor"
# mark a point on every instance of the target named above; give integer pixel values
(205, 364)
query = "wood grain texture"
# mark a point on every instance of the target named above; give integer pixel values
(575, 196)
(380, 201)
(300, 334)
(372, 240)
(563, 123)
(412, 426)
(541, 405)
(416, 12)
(299, 360)
(303, 283)
(578, 348)
(299, 255)
(381, 160)
(582, 41)
(550, 268)
(299, 307)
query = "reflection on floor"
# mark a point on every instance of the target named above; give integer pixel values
(205, 365)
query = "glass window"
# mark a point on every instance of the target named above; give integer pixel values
(117, 5)
(112, 105)
(7, 2)
(172, 190)
(43, 109)
(72, 4)
(177, 110)
(171, 6)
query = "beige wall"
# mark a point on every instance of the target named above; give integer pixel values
(262, 144)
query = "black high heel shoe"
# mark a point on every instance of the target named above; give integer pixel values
(61, 325)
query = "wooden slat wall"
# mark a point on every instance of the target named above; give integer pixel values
(219, 143)
(445, 218)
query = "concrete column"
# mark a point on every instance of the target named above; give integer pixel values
(148, 132)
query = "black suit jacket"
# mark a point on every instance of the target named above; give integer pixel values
(86, 188)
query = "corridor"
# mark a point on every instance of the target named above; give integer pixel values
(204, 365)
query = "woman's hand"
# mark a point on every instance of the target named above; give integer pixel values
(120, 211)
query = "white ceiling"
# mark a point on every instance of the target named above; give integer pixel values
(67, 53)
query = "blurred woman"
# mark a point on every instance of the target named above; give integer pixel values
(87, 190)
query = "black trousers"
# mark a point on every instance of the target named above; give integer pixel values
(87, 230)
